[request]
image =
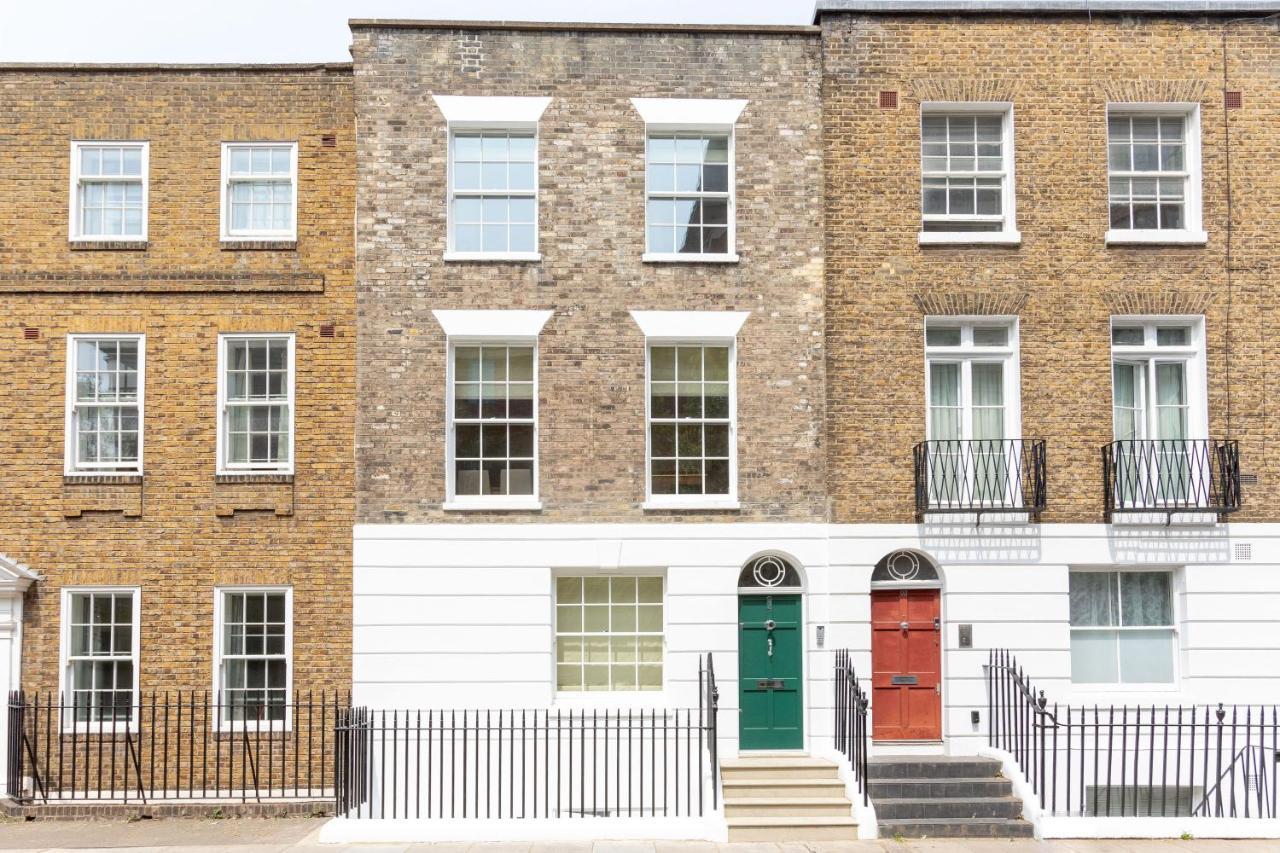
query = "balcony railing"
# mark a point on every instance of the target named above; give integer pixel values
(1171, 476)
(980, 476)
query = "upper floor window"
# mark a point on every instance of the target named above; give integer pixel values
(494, 424)
(689, 178)
(255, 423)
(691, 420)
(259, 190)
(494, 185)
(109, 190)
(966, 167)
(100, 653)
(1158, 382)
(690, 196)
(104, 404)
(1153, 165)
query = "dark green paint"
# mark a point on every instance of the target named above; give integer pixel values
(771, 717)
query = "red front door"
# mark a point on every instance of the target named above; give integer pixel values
(906, 664)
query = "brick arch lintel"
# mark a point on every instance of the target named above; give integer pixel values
(970, 302)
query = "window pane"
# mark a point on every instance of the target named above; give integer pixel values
(1146, 657)
(991, 336)
(1092, 598)
(1093, 657)
(1128, 336)
(942, 336)
(1145, 599)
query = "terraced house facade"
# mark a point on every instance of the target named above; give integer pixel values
(177, 270)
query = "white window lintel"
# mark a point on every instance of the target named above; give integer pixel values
(689, 113)
(491, 110)
(496, 325)
(690, 325)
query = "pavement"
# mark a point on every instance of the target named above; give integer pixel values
(299, 835)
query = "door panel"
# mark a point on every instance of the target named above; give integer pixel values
(772, 713)
(910, 709)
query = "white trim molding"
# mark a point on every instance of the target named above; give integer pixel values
(66, 682)
(1008, 233)
(284, 466)
(691, 326)
(497, 324)
(223, 723)
(75, 230)
(1192, 233)
(231, 235)
(72, 465)
(689, 113)
(486, 110)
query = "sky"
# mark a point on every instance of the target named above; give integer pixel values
(305, 30)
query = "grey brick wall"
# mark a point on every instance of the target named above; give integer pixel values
(591, 173)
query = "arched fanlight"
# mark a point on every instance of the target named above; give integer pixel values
(905, 566)
(768, 572)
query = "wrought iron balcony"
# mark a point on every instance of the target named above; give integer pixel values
(980, 476)
(1171, 476)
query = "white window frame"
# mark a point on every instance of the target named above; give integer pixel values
(1009, 233)
(228, 235)
(1176, 592)
(1192, 355)
(71, 464)
(730, 197)
(222, 466)
(68, 722)
(219, 597)
(73, 225)
(608, 698)
(1193, 232)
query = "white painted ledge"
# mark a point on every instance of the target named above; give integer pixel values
(493, 256)
(490, 109)
(690, 325)
(669, 258)
(970, 238)
(492, 323)
(499, 505)
(689, 113)
(1140, 237)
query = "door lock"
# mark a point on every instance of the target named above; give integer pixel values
(769, 625)
(937, 623)
(903, 625)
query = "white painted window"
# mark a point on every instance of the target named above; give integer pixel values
(255, 402)
(609, 633)
(691, 421)
(104, 431)
(252, 654)
(973, 408)
(1122, 627)
(259, 190)
(109, 190)
(966, 167)
(493, 429)
(690, 188)
(493, 181)
(100, 654)
(1153, 160)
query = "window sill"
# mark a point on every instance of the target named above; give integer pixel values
(661, 504)
(495, 505)
(253, 477)
(249, 244)
(1156, 238)
(108, 245)
(970, 238)
(663, 258)
(493, 256)
(93, 478)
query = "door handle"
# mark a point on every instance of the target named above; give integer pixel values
(903, 625)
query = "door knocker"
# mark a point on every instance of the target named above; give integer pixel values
(769, 625)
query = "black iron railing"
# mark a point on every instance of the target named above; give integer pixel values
(1131, 761)
(500, 764)
(172, 745)
(1171, 476)
(980, 476)
(851, 719)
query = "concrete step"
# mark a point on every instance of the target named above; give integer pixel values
(918, 789)
(788, 807)
(799, 767)
(955, 828)
(966, 807)
(933, 767)
(792, 828)
(771, 788)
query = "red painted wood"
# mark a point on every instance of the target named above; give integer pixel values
(899, 711)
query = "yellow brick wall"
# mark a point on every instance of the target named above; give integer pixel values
(180, 532)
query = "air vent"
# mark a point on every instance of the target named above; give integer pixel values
(1244, 551)
(1248, 479)
(1234, 100)
(327, 330)
(30, 334)
(888, 100)
(329, 140)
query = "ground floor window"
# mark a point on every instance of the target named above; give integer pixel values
(1122, 629)
(608, 633)
(253, 654)
(101, 653)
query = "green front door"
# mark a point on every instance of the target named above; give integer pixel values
(769, 675)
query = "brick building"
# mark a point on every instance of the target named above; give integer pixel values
(177, 271)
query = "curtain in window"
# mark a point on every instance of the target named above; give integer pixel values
(945, 466)
(989, 467)
(1138, 606)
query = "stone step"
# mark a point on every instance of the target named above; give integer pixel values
(919, 789)
(968, 807)
(788, 807)
(771, 788)
(955, 828)
(792, 828)
(799, 767)
(932, 767)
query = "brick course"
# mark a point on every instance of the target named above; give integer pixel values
(180, 531)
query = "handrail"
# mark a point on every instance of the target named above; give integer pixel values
(1171, 476)
(980, 476)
